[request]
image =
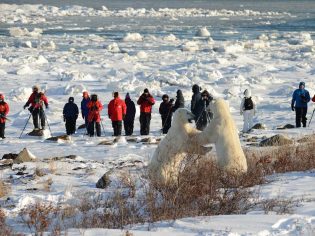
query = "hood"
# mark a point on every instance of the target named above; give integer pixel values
(195, 88)
(247, 93)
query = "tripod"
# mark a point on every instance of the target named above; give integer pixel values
(311, 118)
(207, 116)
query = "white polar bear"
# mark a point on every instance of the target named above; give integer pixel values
(223, 133)
(165, 162)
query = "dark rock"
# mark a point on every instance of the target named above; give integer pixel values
(277, 140)
(78, 168)
(10, 156)
(61, 137)
(37, 132)
(72, 157)
(81, 126)
(287, 126)
(259, 126)
(104, 181)
(6, 163)
(21, 173)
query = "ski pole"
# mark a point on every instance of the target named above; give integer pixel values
(25, 125)
(311, 118)
(103, 127)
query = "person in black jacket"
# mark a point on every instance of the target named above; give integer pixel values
(196, 97)
(166, 113)
(180, 101)
(204, 116)
(70, 116)
(130, 115)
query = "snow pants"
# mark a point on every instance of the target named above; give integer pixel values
(128, 126)
(145, 119)
(38, 114)
(91, 126)
(248, 120)
(300, 115)
(117, 126)
(2, 128)
(70, 125)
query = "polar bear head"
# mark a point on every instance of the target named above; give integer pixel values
(182, 115)
(219, 108)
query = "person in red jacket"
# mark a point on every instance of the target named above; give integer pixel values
(116, 112)
(313, 99)
(37, 101)
(4, 110)
(94, 117)
(146, 101)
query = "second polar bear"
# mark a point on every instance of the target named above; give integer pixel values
(223, 133)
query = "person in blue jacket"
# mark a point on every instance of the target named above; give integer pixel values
(85, 109)
(300, 98)
(70, 115)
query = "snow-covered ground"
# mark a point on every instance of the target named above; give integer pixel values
(66, 50)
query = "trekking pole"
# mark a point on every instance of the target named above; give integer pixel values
(103, 127)
(311, 118)
(47, 123)
(25, 125)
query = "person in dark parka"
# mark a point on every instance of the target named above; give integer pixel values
(70, 116)
(196, 97)
(166, 113)
(180, 101)
(130, 115)
(84, 109)
(203, 119)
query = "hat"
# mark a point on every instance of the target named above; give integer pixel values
(71, 99)
(146, 90)
(1, 96)
(302, 84)
(247, 93)
(127, 95)
(165, 96)
(85, 93)
(35, 87)
(116, 94)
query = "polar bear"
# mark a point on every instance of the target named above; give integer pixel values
(165, 162)
(223, 133)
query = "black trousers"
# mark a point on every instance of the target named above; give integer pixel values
(166, 123)
(117, 126)
(70, 125)
(128, 126)
(145, 119)
(91, 126)
(300, 115)
(38, 114)
(2, 128)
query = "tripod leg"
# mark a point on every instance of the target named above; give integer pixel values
(309, 123)
(25, 125)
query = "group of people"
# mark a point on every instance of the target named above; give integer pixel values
(122, 112)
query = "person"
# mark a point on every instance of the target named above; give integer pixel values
(117, 112)
(94, 116)
(37, 100)
(70, 115)
(300, 98)
(130, 115)
(84, 108)
(313, 98)
(166, 113)
(196, 97)
(146, 101)
(4, 110)
(248, 110)
(180, 101)
(204, 116)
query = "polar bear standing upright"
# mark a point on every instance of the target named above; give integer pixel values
(165, 162)
(223, 133)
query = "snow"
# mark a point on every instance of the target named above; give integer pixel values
(162, 49)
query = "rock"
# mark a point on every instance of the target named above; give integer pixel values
(36, 132)
(6, 163)
(287, 126)
(72, 157)
(104, 181)
(25, 156)
(81, 126)
(61, 137)
(259, 126)
(276, 140)
(10, 156)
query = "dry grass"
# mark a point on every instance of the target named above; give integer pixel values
(5, 230)
(5, 189)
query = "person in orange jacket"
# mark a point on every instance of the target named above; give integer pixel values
(116, 112)
(94, 117)
(4, 110)
(37, 100)
(146, 101)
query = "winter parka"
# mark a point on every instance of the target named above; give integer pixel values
(146, 103)
(195, 107)
(131, 110)
(95, 108)
(37, 100)
(180, 101)
(4, 110)
(300, 98)
(70, 110)
(84, 108)
(116, 109)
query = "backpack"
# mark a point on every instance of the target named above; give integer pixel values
(248, 104)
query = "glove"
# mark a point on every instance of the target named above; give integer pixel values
(292, 108)
(24, 107)
(171, 100)
(47, 107)
(64, 119)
